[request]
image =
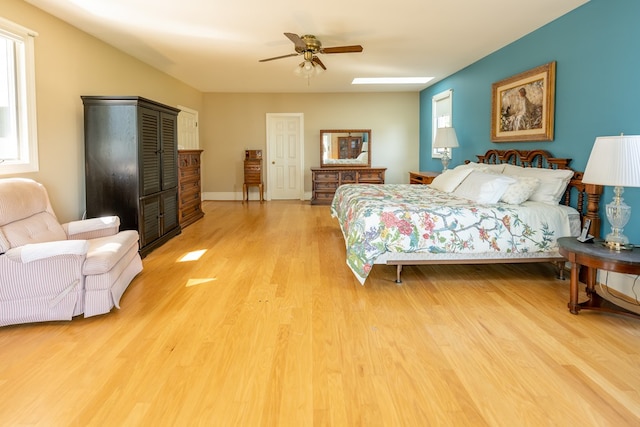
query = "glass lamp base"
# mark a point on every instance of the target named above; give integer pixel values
(618, 214)
(615, 237)
(445, 159)
(617, 246)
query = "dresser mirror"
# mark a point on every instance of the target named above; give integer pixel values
(345, 147)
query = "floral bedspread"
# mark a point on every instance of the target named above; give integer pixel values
(417, 218)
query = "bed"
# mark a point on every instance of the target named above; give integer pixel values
(510, 206)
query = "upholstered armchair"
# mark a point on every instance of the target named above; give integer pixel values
(53, 271)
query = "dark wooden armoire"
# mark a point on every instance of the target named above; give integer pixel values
(131, 165)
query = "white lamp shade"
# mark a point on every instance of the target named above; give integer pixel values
(445, 138)
(614, 161)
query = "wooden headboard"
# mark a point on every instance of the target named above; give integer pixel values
(587, 195)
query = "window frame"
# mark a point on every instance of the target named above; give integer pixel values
(25, 87)
(446, 98)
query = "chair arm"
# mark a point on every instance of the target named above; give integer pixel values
(40, 251)
(92, 228)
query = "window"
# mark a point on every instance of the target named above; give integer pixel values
(18, 137)
(442, 116)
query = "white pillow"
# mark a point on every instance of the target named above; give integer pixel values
(471, 165)
(450, 179)
(520, 191)
(484, 167)
(553, 182)
(495, 168)
(483, 187)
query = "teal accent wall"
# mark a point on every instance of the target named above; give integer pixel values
(597, 52)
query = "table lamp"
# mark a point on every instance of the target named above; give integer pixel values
(445, 138)
(615, 161)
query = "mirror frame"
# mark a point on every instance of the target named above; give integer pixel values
(323, 164)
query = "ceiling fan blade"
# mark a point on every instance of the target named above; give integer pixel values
(278, 57)
(316, 60)
(342, 49)
(300, 44)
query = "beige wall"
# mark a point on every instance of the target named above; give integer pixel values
(70, 63)
(233, 122)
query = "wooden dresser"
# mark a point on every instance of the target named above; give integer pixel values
(189, 187)
(325, 181)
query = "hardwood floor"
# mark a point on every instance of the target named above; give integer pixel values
(268, 327)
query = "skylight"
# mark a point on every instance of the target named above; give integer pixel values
(390, 80)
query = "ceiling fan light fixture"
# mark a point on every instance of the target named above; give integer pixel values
(308, 46)
(307, 69)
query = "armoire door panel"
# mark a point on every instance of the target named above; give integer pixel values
(150, 220)
(169, 143)
(149, 125)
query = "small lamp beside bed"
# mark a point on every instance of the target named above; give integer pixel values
(614, 162)
(446, 139)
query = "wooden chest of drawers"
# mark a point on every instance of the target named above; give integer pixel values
(325, 181)
(189, 187)
(253, 171)
(252, 177)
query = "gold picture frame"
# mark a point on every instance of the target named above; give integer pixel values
(522, 106)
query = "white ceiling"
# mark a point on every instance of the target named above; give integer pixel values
(215, 45)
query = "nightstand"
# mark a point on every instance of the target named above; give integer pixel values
(595, 256)
(422, 177)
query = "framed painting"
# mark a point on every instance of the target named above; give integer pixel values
(522, 106)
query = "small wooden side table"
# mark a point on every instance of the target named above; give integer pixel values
(422, 177)
(594, 256)
(252, 174)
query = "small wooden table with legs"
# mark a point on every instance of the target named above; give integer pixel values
(594, 256)
(252, 176)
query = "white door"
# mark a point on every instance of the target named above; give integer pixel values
(284, 156)
(188, 128)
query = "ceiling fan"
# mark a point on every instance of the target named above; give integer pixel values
(308, 46)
